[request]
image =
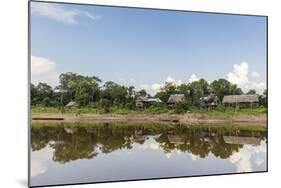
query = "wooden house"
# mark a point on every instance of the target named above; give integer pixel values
(242, 140)
(210, 102)
(144, 102)
(174, 99)
(241, 101)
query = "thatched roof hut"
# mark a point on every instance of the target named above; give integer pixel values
(72, 104)
(240, 98)
(177, 140)
(241, 140)
(173, 99)
(141, 102)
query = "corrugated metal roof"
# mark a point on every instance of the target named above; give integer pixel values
(154, 100)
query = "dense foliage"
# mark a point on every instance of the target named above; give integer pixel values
(89, 91)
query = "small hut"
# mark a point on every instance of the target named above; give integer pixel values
(241, 101)
(176, 98)
(210, 102)
(72, 104)
(142, 102)
(177, 140)
(242, 140)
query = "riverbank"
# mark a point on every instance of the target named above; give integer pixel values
(187, 118)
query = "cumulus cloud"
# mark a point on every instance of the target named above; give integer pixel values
(173, 81)
(59, 13)
(239, 75)
(255, 74)
(242, 161)
(43, 70)
(37, 168)
(258, 86)
(193, 157)
(193, 78)
(156, 87)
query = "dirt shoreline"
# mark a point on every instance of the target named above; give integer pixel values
(189, 118)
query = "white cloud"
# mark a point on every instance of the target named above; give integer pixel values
(37, 168)
(43, 70)
(156, 87)
(258, 86)
(193, 78)
(255, 74)
(242, 161)
(59, 13)
(145, 86)
(169, 79)
(239, 75)
(259, 161)
(193, 157)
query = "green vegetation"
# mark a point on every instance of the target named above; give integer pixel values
(92, 96)
(73, 141)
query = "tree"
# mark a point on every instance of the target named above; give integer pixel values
(115, 93)
(82, 89)
(165, 92)
(263, 99)
(222, 87)
(142, 93)
(251, 92)
(198, 89)
(42, 94)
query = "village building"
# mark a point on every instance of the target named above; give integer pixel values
(176, 140)
(144, 102)
(242, 140)
(210, 102)
(174, 99)
(241, 101)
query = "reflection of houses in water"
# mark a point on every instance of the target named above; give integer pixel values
(242, 140)
(174, 139)
(139, 136)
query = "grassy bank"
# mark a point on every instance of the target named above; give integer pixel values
(151, 110)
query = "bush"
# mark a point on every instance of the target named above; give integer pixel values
(156, 109)
(182, 107)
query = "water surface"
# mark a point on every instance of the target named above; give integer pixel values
(80, 153)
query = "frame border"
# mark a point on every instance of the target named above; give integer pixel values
(143, 8)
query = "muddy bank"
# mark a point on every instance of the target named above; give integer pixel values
(188, 118)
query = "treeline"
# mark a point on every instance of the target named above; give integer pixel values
(88, 90)
(111, 138)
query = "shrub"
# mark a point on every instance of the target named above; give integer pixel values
(182, 107)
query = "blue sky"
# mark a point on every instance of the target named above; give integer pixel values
(145, 48)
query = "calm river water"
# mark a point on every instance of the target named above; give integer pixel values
(81, 153)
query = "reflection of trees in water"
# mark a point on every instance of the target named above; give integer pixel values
(87, 141)
(198, 142)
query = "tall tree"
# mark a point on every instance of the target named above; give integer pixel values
(222, 87)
